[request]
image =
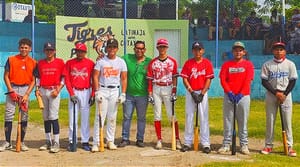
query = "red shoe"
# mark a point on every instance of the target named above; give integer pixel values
(292, 153)
(266, 150)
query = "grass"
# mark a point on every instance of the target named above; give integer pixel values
(256, 127)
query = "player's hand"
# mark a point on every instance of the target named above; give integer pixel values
(13, 96)
(280, 97)
(74, 99)
(231, 97)
(38, 93)
(238, 97)
(195, 96)
(151, 99)
(173, 97)
(92, 100)
(122, 98)
(54, 93)
(99, 97)
(200, 97)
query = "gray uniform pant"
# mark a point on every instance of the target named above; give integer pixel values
(271, 112)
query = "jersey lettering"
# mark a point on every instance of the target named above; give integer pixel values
(278, 74)
(233, 70)
(110, 72)
(83, 73)
(196, 73)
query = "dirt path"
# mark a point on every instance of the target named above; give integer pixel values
(128, 156)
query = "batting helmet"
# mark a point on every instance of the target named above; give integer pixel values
(81, 47)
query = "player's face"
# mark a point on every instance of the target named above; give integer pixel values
(112, 51)
(139, 50)
(162, 50)
(198, 53)
(50, 53)
(80, 54)
(279, 52)
(24, 50)
(238, 53)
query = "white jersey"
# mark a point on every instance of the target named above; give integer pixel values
(279, 74)
(110, 70)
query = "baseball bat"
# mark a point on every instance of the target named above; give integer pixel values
(284, 140)
(233, 145)
(39, 99)
(173, 129)
(74, 147)
(196, 131)
(101, 137)
(18, 142)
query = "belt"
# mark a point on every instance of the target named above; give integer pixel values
(163, 84)
(12, 84)
(80, 88)
(110, 86)
(49, 87)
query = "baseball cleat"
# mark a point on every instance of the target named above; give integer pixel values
(206, 150)
(54, 148)
(178, 144)
(185, 148)
(5, 146)
(24, 147)
(158, 145)
(124, 143)
(245, 150)
(46, 146)
(111, 146)
(140, 143)
(224, 149)
(266, 150)
(95, 148)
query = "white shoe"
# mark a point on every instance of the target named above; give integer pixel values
(178, 144)
(46, 146)
(224, 149)
(111, 146)
(158, 145)
(95, 148)
(245, 150)
(24, 147)
(5, 146)
(54, 148)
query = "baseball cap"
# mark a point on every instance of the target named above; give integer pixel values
(162, 42)
(197, 45)
(238, 44)
(112, 42)
(49, 46)
(81, 46)
(278, 44)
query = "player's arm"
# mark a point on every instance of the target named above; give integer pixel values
(206, 86)
(124, 81)
(290, 87)
(95, 82)
(268, 86)
(223, 78)
(187, 84)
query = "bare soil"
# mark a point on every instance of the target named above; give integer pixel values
(128, 156)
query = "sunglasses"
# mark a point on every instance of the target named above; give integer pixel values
(139, 48)
(112, 47)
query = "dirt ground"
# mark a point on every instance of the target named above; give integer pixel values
(128, 156)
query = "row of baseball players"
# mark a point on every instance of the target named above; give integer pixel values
(136, 80)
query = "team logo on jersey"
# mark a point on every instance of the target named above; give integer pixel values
(278, 74)
(196, 73)
(236, 70)
(110, 72)
(163, 70)
(83, 73)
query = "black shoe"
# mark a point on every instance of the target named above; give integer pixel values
(71, 148)
(140, 143)
(124, 143)
(206, 150)
(86, 146)
(185, 148)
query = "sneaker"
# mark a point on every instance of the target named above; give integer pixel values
(158, 145)
(224, 149)
(86, 146)
(24, 147)
(266, 150)
(245, 150)
(95, 148)
(178, 144)
(54, 148)
(206, 150)
(124, 143)
(291, 152)
(185, 148)
(140, 143)
(46, 146)
(5, 146)
(70, 148)
(111, 146)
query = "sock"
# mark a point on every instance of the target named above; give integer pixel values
(7, 130)
(157, 126)
(176, 130)
(56, 138)
(23, 130)
(47, 126)
(55, 126)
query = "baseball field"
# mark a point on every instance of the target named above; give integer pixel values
(148, 156)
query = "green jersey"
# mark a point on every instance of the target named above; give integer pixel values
(137, 83)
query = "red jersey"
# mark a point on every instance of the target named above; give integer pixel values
(50, 73)
(161, 71)
(237, 76)
(197, 72)
(78, 74)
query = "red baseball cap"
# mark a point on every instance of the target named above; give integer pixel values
(81, 46)
(162, 42)
(278, 44)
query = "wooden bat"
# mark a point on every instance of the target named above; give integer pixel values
(18, 142)
(173, 129)
(101, 137)
(284, 140)
(196, 131)
(233, 142)
(74, 146)
(39, 99)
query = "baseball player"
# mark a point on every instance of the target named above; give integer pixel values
(50, 81)
(162, 81)
(78, 77)
(279, 78)
(19, 80)
(136, 94)
(236, 76)
(197, 74)
(110, 73)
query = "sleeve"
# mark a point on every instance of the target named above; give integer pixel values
(150, 77)
(68, 79)
(184, 72)
(124, 66)
(7, 66)
(264, 72)
(175, 70)
(293, 73)
(210, 71)
(249, 77)
(223, 78)
(36, 71)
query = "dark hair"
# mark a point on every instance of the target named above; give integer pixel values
(235, 14)
(139, 42)
(25, 41)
